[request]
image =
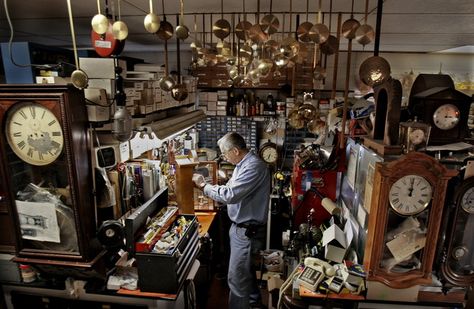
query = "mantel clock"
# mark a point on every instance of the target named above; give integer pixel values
(46, 174)
(406, 210)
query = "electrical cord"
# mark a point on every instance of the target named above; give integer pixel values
(190, 294)
(10, 42)
(287, 284)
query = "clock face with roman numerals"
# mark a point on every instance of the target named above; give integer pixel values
(34, 133)
(410, 195)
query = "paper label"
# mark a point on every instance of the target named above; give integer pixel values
(406, 243)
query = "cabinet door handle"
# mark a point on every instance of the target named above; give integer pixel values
(2, 198)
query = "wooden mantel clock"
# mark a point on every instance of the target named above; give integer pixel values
(406, 210)
(46, 174)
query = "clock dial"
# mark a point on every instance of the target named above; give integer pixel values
(467, 201)
(410, 195)
(417, 136)
(34, 133)
(446, 116)
(269, 154)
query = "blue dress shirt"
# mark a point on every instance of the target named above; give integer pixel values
(247, 192)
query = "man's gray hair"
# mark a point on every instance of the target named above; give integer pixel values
(231, 140)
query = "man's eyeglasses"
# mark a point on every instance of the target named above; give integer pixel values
(225, 154)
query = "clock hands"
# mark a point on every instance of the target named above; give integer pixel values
(410, 189)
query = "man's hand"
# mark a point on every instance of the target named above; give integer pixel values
(199, 181)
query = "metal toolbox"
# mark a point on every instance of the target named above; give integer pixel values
(162, 272)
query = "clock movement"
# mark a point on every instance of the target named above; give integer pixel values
(406, 210)
(46, 174)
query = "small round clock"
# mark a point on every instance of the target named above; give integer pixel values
(417, 136)
(410, 195)
(446, 116)
(268, 152)
(467, 201)
(414, 135)
(34, 133)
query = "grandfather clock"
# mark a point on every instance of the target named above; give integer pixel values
(46, 198)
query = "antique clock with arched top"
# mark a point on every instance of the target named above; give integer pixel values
(406, 210)
(46, 175)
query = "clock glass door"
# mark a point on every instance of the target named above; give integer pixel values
(39, 177)
(461, 258)
(404, 243)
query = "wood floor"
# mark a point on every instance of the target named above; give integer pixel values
(218, 294)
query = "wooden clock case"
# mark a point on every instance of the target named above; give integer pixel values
(381, 218)
(74, 166)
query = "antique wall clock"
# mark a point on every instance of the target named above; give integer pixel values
(406, 210)
(46, 174)
(268, 152)
(457, 265)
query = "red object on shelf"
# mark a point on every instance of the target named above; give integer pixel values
(302, 200)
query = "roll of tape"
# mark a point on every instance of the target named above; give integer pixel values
(330, 206)
(111, 234)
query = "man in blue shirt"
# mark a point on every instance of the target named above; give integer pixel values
(247, 195)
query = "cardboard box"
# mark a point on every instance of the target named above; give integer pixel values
(96, 113)
(274, 282)
(335, 245)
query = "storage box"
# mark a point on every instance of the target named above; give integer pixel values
(166, 272)
(161, 272)
(335, 244)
